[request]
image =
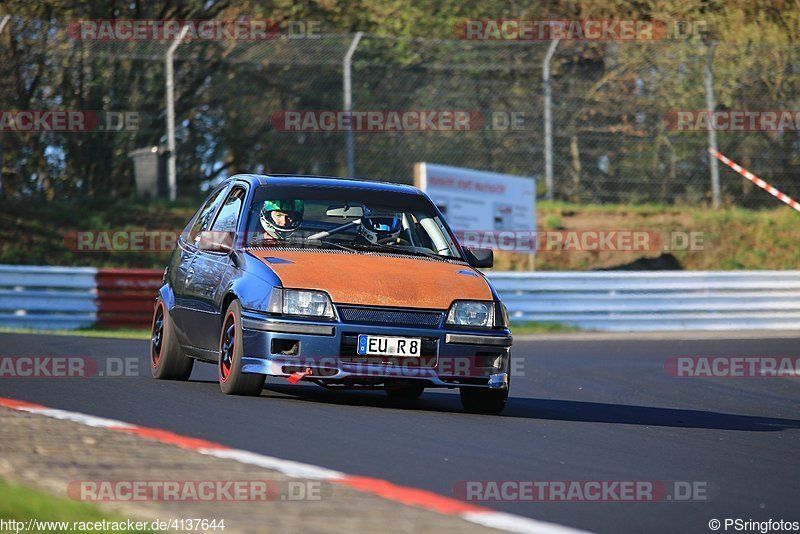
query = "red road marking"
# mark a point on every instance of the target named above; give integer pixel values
(15, 404)
(409, 496)
(165, 436)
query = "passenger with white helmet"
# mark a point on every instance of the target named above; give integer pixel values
(379, 228)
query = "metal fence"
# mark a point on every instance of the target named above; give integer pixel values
(64, 297)
(68, 298)
(125, 297)
(47, 297)
(649, 301)
(611, 139)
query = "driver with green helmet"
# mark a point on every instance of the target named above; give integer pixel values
(279, 218)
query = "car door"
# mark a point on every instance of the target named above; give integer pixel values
(179, 267)
(211, 272)
(184, 264)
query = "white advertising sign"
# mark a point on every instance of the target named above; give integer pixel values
(480, 201)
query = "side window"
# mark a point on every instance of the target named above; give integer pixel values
(203, 220)
(228, 217)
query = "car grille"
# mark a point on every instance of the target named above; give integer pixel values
(382, 316)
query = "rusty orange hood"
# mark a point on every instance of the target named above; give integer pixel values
(377, 280)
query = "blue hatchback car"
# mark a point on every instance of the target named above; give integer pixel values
(344, 283)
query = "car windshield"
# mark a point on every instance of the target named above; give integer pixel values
(353, 219)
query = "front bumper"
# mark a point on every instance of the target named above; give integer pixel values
(450, 358)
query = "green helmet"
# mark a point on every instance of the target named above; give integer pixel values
(292, 213)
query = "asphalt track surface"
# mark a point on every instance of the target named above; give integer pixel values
(580, 410)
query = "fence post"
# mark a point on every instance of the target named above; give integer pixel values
(712, 132)
(548, 119)
(3, 23)
(171, 171)
(348, 102)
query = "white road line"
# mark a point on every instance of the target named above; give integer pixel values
(88, 420)
(287, 467)
(515, 523)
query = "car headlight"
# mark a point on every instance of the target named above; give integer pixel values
(303, 302)
(471, 313)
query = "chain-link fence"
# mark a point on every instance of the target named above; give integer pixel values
(615, 138)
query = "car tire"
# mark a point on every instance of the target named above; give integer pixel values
(406, 392)
(167, 360)
(483, 401)
(487, 401)
(232, 381)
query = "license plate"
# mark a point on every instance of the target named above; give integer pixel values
(408, 347)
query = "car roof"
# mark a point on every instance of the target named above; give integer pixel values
(302, 180)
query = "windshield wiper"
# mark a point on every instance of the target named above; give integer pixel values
(332, 244)
(408, 251)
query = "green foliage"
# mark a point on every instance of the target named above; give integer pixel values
(33, 233)
(524, 328)
(731, 238)
(37, 232)
(22, 504)
(113, 333)
(610, 98)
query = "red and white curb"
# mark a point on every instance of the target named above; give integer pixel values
(405, 495)
(756, 180)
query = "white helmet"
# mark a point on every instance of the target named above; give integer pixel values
(374, 228)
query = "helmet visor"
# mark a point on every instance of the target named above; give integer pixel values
(385, 225)
(286, 220)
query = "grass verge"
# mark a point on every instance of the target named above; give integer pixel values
(38, 233)
(727, 239)
(542, 328)
(21, 503)
(117, 333)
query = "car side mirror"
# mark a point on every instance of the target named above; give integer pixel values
(480, 257)
(215, 241)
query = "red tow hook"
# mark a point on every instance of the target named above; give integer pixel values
(295, 377)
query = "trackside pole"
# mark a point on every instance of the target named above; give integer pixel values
(712, 132)
(347, 90)
(3, 23)
(548, 119)
(756, 180)
(170, 89)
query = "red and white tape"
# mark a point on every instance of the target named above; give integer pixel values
(756, 180)
(415, 497)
